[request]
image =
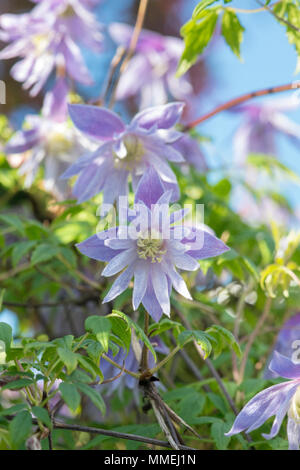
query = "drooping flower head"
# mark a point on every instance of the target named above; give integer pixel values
(262, 124)
(153, 252)
(48, 138)
(47, 39)
(151, 72)
(278, 400)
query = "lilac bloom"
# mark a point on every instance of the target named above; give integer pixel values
(47, 138)
(154, 253)
(262, 124)
(125, 150)
(46, 40)
(278, 400)
(131, 362)
(151, 72)
(286, 340)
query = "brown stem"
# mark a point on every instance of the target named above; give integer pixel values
(253, 336)
(241, 99)
(133, 43)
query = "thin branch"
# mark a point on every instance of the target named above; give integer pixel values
(133, 43)
(279, 18)
(253, 336)
(241, 99)
(115, 434)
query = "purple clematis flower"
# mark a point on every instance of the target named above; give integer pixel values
(48, 138)
(278, 400)
(151, 72)
(131, 362)
(46, 39)
(262, 123)
(152, 255)
(127, 150)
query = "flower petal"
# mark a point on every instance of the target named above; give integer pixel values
(95, 248)
(119, 262)
(150, 188)
(99, 123)
(162, 117)
(120, 284)
(284, 367)
(160, 286)
(140, 283)
(266, 401)
(293, 432)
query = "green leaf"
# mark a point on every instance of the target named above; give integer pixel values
(70, 395)
(94, 396)
(101, 327)
(13, 221)
(6, 335)
(89, 366)
(20, 428)
(139, 332)
(122, 330)
(20, 250)
(197, 34)
(218, 430)
(232, 31)
(223, 337)
(17, 384)
(42, 415)
(44, 252)
(202, 6)
(69, 358)
(198, 336)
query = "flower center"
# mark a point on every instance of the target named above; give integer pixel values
(40, 42)
(133, 152)
(58, 143)
(294, 411)
(151, 248)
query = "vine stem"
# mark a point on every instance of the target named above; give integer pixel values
(108, 359)
(241, 99)
(253, 336)
(165, 360)
(133, 43)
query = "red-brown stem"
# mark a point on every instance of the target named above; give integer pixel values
(241, 99)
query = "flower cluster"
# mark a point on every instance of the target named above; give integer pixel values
(47, 39)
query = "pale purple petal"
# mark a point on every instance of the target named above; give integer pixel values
(160, 286)
(140, 283)
(270, 399)
(23, 141)
(150, 188)
(120, 284)
(284, 367)
(119, 262)
(204, 245)
(162, 117)
(99, 123)
(95, 248)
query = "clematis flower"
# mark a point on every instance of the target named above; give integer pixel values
(47, 39)
(154, 253)
(278, 400)
(126, 150)
(151, 72)
(131, 362)
(262, 124)
(47, 138)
